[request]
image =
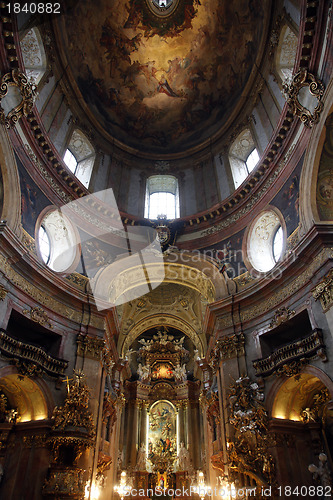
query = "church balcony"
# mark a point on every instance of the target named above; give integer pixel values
(289, 358)
(31, 359)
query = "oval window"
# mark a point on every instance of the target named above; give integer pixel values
(57, 242)
(265, 241)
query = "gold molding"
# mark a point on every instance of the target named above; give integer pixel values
(28, 95)
(316, 88)
(324, 291)
(28, 241)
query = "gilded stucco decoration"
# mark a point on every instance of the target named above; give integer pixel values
(38, 315)
(248, 451)
(107, 361)
(158, 320)
(161, 68)
(170, 299)
(314, 412)
(324, 291)
(3, 292)
(305, 97)
(75, 411)
(90, 347)
(18, 90)
(281, 315)
(7, 414)
(227, 347)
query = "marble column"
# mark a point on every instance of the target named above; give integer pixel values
(134, 434)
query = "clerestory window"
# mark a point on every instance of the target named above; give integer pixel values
(162, 197)
(80, 157)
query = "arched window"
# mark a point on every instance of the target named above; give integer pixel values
(243, 157)
(80, 157)
(286, 54)
(34, 56)
(162, 197)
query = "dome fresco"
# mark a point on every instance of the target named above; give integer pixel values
(162, 81)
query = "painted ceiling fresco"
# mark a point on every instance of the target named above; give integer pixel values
(162, 84)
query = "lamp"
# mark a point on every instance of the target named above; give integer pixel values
(92, 492)
(122, 488)
(227, 490)
(202, 489)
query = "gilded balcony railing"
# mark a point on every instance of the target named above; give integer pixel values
(291, 355)
(31, 356)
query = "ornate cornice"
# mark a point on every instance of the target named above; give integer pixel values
(324, 291)
(45, 299)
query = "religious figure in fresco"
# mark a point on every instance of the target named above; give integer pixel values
(175, 78)
(162, 438)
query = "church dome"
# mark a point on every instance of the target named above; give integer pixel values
(162, 76)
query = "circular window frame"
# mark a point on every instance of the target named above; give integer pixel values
(75, 236)
(247, 240)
